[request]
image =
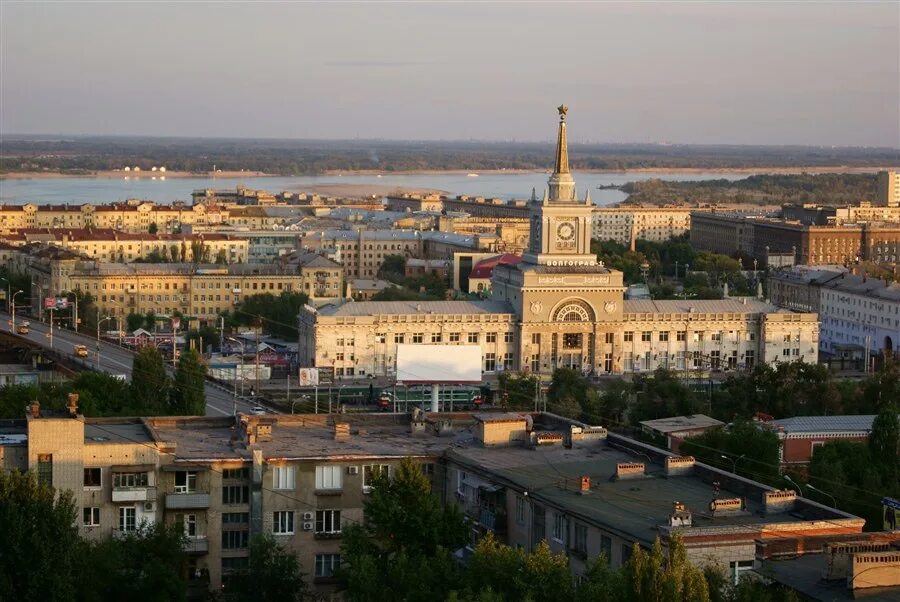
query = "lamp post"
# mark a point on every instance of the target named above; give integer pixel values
(814, 488)
(338, 399)
(234, 398)
(99, 322)
(75, 312)
(13, 300)
(733, 461)
(792, 482)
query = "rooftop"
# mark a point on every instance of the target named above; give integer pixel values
(744, 305)
(681, 423)
(804, 574)
(818, 424)
(454, 308)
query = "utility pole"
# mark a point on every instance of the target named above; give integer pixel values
(221, 333)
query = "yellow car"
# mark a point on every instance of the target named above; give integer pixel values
(22, 329)
(81, 351)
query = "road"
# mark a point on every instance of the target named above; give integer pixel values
(114, 360)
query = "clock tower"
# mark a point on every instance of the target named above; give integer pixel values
(560, 223)
(567, 303)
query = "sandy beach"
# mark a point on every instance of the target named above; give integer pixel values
(132, 175)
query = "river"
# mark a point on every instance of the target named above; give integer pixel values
(513, 185)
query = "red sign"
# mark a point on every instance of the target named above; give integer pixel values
(49, 302)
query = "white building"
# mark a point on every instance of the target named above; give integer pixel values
(857, 310)
(625, 224)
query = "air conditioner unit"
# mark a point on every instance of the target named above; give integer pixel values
(307, 526)
(149, 506)
(307, 516)
(353, 470)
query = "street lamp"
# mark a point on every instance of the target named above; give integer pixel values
(733, 461)
(338, 399)
(99, 322)
(791, 481)
(234, 398)
(75, 312)
(13, 300)
(833, 501)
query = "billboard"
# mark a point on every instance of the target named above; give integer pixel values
(451, 364)
(56, 303)
(308, 377)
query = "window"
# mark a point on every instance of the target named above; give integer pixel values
(572, 340)
(235, 540)
(454, 337)
(520, 510)
(90, 517)
(370, 471)
(45, 469)
(507, 361)
(626, 552)
(235, 518)
(628, 336)
(646, 336)
(786, 352)
(328, 521)
(418, 337)
(185, 481)
(787, 338)
(559, 527)
(130, 479)
(608, 362)
(399, 339)
(283, 523)
(91, 477)
(283, 477)
(328, 477)
(536, 338)
(327, 564)
(490, 337)
(664, 337)
(609, 338)
(629, 362)
(606, 547)
(490, 362)
(509, 337)
(716, 337)
(127, 518)
(535, 363)
(681, 335)
(235, 494)
(472, 337)
(435, 337)
(189, 523)
(749, 359)
(236, 473)
(581, 532)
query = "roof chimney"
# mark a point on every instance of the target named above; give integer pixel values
(72, 405)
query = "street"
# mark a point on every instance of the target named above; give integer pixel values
(114, 360)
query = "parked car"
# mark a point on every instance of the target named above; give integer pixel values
(257, 410)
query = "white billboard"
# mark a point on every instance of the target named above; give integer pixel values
(456, 364)
(308, 377)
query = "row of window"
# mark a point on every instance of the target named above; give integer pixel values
(327, 522)
(680, 335)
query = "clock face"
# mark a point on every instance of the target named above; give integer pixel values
(565, 231)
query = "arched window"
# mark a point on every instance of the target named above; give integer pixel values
(573, 312)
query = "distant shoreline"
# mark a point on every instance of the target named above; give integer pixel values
(236, 175)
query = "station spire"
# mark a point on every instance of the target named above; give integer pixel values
(561, 184)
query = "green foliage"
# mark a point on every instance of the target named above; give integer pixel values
(221, 257)
(392, 266)
(208, 334)
(885, 439)
(143, 566)
(134, 321)
(513, 574)
(517, 391)
(661, 395)
(150, 321)
(150, 382)
(39, 544)
(401, 551)
(188, 395)
(153, 229)
(399, 293)
(278, 314)
(663, 575)
(273, 575)
(755, 450)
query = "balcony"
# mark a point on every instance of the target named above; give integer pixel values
(184, 501)
(196, 545)
(133, 494)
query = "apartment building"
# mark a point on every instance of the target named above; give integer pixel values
(857, 313)
(725, 233)
(586, 491)
(362, 252)
(888, 184)
(865, 211)
(627, 224)
(301, 478)
(104, 244)
(130, 216)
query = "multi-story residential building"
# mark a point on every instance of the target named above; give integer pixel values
(626, 224)
(362, 252)
(726, 233)
(889, 188)
(588, 492)
(131, 216)
(559, 307)
(109, 245)
(811, 214)
(303, 479)
(199, 291)
(855, 311)
(238, 196)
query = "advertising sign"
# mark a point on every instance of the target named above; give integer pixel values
(49, 302)
(308, 377)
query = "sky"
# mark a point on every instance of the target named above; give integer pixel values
(823, 73)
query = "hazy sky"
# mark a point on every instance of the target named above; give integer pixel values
(750, 73)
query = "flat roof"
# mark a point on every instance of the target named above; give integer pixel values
(681, 423)
(744, 305)
(804, 574)
(818, 424)
(369, 308)
(100, 430)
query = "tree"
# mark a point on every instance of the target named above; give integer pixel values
(173, 253)
(150, 321)
(150, 382)
(512, 574)
(188, 395)
(153, 228)
(221, 257)
(393, 265)
(39, 544)
(278, 315)
(134, 321)
(884, 441)
(661, 395)
(273, 574)
(663, 575)
(143, 566)
(207, 334)
(401, 550)
(518, 390)
(752, 451)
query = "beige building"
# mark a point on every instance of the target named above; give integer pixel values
(560, 308)
(889, 188)
(125, 247)
(627, 224)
